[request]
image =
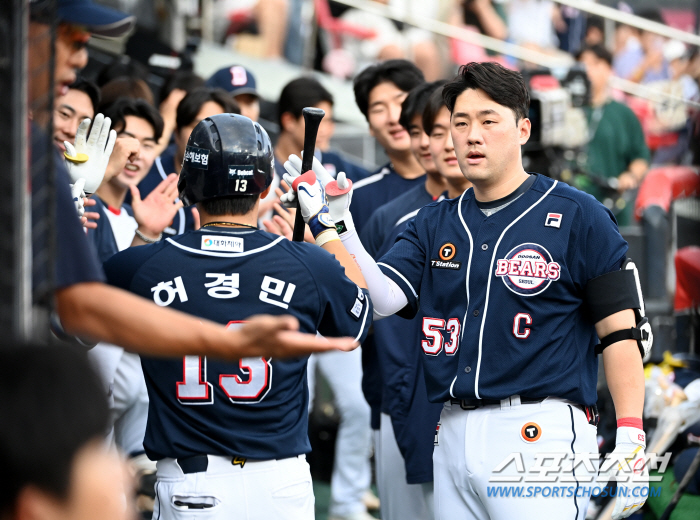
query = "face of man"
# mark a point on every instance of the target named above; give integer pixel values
(182, 135)
(249, 104)
(100, 487)
(420, 144)
(597, 70)
(70, 111)
(486, 137)
(383, 116)
(71, 55)
(441, 147)
(136, 170)
(296, 127)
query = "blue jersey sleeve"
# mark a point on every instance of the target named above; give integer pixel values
(405, 263)
(601, 249)
(346, 310)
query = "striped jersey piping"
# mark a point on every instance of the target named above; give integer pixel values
(180, 212)
(401, 276)
(373, 178)
(488, 284)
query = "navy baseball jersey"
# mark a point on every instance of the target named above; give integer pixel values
(256, 408)
(502, 296)
(103, 235)
(162, 167)
(391, 214)
(404, 395)
(376, 190)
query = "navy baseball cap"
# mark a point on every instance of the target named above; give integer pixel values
(98, 20)
(235, 79)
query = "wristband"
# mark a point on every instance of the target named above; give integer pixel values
(327, 236)
(632, 422)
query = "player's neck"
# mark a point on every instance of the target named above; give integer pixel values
(112, 194)
(434, 183)
(486, 192)
(405, 164)
(285, 147)
(246, 221)
(456, 186)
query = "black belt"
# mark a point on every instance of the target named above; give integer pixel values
(472, 404)
(200, 463)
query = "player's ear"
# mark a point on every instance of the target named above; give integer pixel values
(524, 128)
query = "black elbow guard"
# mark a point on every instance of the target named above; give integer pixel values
(615, 292)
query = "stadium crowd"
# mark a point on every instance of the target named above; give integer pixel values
(397, 73)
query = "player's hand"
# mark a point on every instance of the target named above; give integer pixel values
(313, 206)
(88, 157)
(278, 337)
(627, 463)
(154, 213)
(338, 192)
(89, 218)
(125, 149)
(78, 194)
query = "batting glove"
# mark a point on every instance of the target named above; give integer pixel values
(78, 196)
(88, 157)
(627, 463)
(338, 193)
(313, 205)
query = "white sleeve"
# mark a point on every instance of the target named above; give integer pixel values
(387, 296)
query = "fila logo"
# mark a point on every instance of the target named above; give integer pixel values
(553, 220)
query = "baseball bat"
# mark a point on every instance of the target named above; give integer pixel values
(312, 120)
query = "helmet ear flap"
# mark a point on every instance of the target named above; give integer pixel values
(181, 189)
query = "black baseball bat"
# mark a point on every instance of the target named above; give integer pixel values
(312, 120)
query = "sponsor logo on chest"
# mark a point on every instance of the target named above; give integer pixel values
(528, 269)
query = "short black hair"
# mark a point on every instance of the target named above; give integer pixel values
(506, 87)
(183, 80)
(415, 102)
(597, 22)
(435, 102)
(89, 89)
(125, 86)
(300, 93)
(123, 107)
(53, 405)
(402, 73)
(192, 103)
(229, 205)
(599, 51)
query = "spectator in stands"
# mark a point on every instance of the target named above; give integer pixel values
(532, 23)
(616, 149)
(392, 41)
(52, 452)
(653, 66)
(174, 89)
(195, 106)
(80, 102)
(240, 83)
(595, 31)
(122, 66)
(125, 86)
(482, 16)
(268, 16)
(628, 53)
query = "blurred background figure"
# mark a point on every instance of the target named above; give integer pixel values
(80, 102)
(240, 83)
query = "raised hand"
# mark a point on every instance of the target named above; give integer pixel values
(154, 213)
(88, 157)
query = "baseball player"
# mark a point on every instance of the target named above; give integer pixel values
(516, 280)
(230, 438)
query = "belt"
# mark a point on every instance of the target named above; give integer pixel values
(473, 404)
(200, 463)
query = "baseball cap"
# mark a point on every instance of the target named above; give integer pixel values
(98, 20)
(235, 79)
(673, 50)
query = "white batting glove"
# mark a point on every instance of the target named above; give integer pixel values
(76, 190)
(338, 193)
(88, 158)
(627, 463)
(313, 206)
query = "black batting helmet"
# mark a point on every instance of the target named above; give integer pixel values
(227, 155)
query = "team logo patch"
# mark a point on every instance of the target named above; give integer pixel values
(446, 253)
(240, 170)
(528, 269)
(437, 431)
(531, 432)
(239, 461)
(553, 220)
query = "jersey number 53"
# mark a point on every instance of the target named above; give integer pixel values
(250, 385)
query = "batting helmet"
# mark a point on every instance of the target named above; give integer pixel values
(227, 155)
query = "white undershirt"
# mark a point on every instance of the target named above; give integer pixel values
(123, 226)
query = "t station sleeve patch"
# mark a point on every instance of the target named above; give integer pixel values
(446, 253)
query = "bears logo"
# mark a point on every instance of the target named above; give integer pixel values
(528, 269)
